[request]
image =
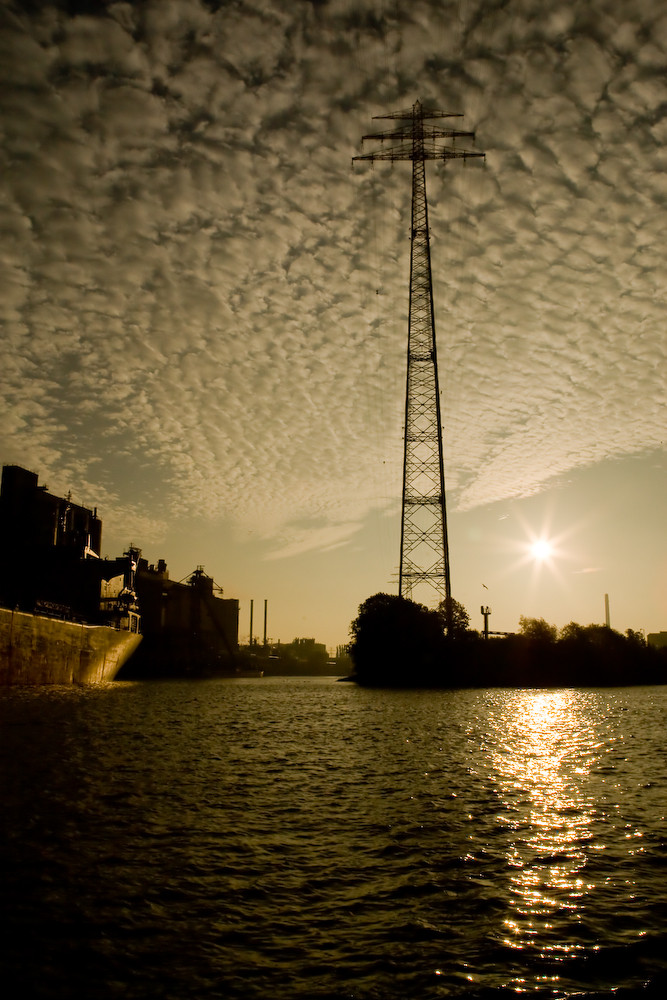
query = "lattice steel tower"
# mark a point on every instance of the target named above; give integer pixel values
(424, 562)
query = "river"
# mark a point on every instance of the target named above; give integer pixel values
(299, 838)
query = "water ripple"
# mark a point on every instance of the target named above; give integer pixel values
(297, 838)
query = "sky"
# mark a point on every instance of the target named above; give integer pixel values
(204, 303)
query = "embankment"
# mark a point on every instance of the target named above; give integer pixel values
(35, 650)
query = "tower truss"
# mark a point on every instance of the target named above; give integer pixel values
(424, 561)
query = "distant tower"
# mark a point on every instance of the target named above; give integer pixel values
(424, 562)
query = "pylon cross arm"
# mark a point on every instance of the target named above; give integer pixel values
(417, 111)
(407, 152)
(425, 132)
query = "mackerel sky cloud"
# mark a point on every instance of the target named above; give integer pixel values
(204, 306)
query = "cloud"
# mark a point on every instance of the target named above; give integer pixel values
(204, 309)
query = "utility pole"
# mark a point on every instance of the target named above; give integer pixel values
(486, 611)
(424, 564)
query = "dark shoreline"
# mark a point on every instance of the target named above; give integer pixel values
(517, 662)
(398, 643)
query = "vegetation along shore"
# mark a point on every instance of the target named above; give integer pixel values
(399, 643)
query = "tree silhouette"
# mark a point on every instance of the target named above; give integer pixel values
(455, 618)
(537, 629)
(572, 632)
(397, 641)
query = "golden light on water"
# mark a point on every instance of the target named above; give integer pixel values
(541, 763)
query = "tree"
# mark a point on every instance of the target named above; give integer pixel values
(537, 629)
(396, 641)
(455, 618)
(572, 632)
(634, 637)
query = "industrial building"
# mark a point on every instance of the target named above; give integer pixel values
(188, 627)
(50, 561)
(50, 564)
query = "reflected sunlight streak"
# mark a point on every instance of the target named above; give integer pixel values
(541, 763)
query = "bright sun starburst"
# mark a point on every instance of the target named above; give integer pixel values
(544, 548)
(541, 550)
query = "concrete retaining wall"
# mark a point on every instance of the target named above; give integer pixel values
(36, 650)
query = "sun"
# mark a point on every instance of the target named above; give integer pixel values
(541, 550)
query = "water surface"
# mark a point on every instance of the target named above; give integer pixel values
(301, 838)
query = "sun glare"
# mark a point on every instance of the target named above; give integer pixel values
(541, 550)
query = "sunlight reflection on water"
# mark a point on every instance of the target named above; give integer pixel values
(546, 756)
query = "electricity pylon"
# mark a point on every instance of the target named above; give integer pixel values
(424, 562)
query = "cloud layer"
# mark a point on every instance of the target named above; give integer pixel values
(204, 308)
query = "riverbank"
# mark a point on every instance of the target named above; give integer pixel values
(36, 650)
(518, 663)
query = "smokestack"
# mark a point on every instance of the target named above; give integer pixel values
(606, 610)
(265, 611)
(251, 608)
